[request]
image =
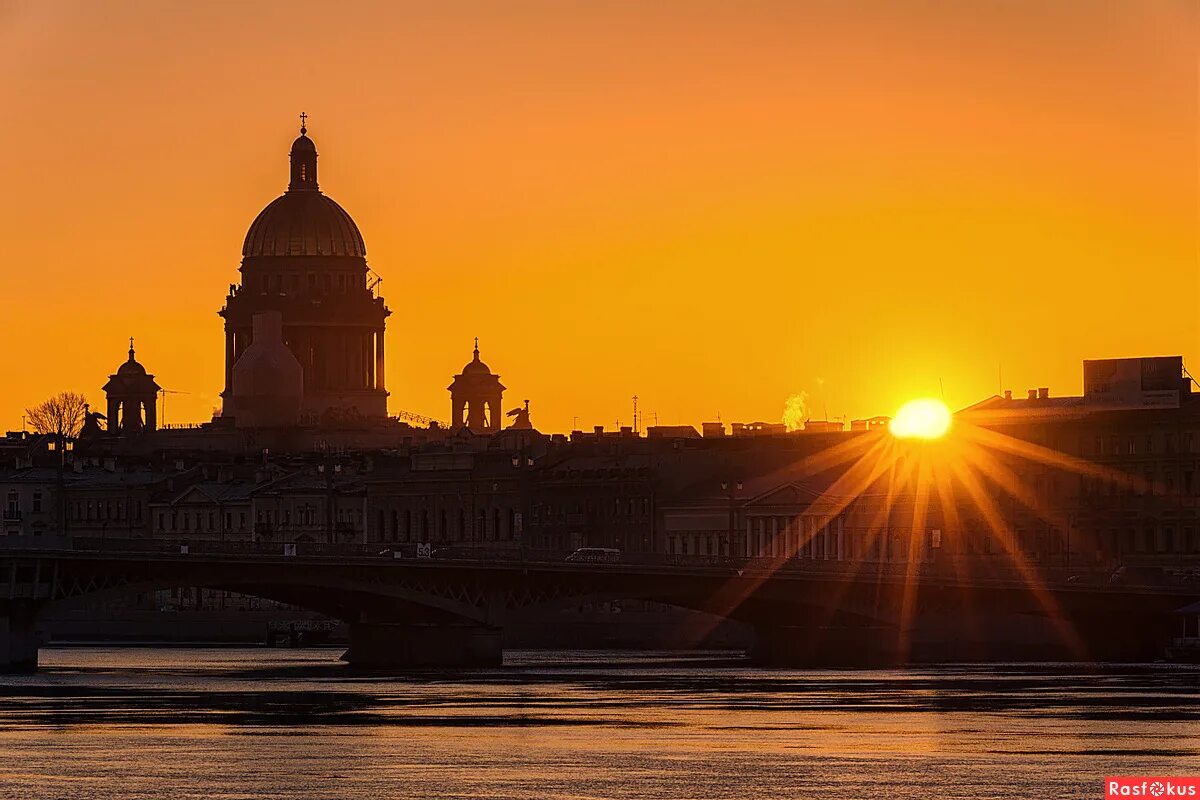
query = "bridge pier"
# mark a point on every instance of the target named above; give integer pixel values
(833, 647)
(19, 640)
(407, 645)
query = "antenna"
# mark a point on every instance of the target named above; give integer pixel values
(635, 416)
(1000, 376)
(942, 389)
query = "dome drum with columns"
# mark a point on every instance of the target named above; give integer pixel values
(304, 258)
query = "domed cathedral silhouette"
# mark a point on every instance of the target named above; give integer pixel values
(304, 258)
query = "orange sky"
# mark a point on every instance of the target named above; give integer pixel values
(712, 205)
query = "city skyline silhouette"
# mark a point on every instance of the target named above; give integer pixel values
(577, 400)
(835, 216)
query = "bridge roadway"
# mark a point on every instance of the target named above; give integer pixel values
(450, 610)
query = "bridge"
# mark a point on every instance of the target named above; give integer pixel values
(449, 611)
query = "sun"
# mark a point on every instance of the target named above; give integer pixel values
(923, 418)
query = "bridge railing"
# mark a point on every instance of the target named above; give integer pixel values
(977, 571)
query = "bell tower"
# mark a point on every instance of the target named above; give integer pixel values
(131, 394)
(475, 397)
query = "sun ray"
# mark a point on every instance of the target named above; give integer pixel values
(952, 521)
(845, 488)
(1009, 482)
(915, 537)
(995, 522)
(872, 531)
(1050, 457)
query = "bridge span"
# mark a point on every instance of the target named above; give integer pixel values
(450, 611)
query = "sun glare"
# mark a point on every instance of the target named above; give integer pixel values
(924, 418)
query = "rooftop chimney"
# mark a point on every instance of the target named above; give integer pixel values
(1043, 393)
(1032, 394)
(1008, 394)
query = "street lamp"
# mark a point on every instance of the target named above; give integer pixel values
(61, 446)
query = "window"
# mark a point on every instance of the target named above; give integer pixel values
(37, 501)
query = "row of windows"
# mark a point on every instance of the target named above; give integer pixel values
(306, 515)
(1141, 445)
(1152, 539)
(275, 283)
(14, 503)
(199, 521)
(635, 507)
(104, 510)
(422, 526)
(1148, 483)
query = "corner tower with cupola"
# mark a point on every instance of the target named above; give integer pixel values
(131, 393)
(304, 258)
(475, 397)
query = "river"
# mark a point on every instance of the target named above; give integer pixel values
(170, 722)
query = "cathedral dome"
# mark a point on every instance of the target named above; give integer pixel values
(303, 222)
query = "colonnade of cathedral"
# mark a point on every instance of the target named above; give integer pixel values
(333, 358)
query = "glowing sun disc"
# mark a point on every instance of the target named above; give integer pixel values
(924, 418)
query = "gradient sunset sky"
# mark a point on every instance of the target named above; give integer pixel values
(711, 205)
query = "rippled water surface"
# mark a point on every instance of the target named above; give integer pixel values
(252, 723)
